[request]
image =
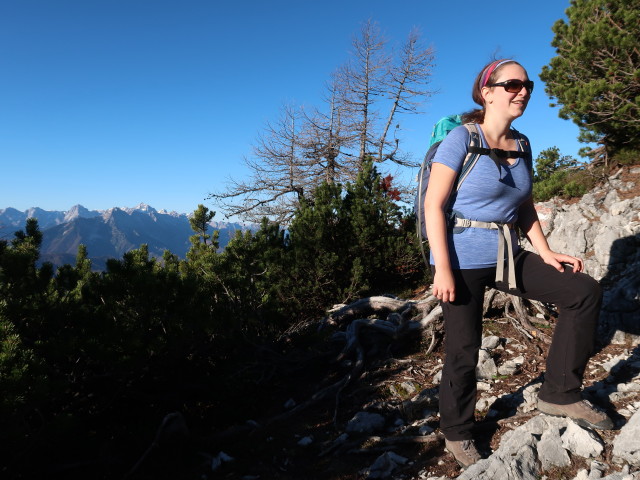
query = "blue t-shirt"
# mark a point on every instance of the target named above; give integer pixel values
(490, 193)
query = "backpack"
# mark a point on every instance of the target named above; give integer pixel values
(440, 130)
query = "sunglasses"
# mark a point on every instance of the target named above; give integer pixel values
(514, 86)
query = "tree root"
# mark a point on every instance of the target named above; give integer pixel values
(379, 305)
(522, 322)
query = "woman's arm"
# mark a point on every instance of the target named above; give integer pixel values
(436, 199)
(530, 225)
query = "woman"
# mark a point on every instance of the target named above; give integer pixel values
(464, 262)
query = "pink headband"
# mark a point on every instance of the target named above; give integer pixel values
(489, 70)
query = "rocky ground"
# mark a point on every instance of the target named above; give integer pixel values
(385, 424)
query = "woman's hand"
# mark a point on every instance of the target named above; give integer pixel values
(444, 285)
(556, 260)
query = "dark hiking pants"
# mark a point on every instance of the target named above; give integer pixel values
(578, 298)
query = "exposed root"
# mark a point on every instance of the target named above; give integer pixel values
(380, 305)
(522, 320)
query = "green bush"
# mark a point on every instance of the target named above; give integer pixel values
(594, 75)
(560, 176)
(626, 156)
(101, 357)
(20, 371)
(564, 184)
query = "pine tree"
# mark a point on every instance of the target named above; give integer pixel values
(382, 249)
(199, 222)
(558, 175)
(319, 264)
(248, 280)
(348, 242)
(23, 288)
(595, 76)
(203, 246)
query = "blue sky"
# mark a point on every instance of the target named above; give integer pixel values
(109, 103)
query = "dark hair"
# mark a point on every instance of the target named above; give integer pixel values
(477, 115)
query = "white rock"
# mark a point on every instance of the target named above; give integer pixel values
(620, 207)
(530, 396)
(486, 368)
(483, 386)
(515, 459)
(408, 387)
(597, 470)
(626, 446)
(510, 367)
(625, 412)
(365, 422)
(581, 441)
(384, 465)
(484, 403)
(583, 474)
(550, 450)
(629, 387)
(613, 362)
(490, 342)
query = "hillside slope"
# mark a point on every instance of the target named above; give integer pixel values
(385, 424)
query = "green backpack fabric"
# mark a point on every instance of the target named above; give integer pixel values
(443, 126)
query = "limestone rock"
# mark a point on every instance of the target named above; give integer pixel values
(550, 450)
(384, 466)
(604, 230)
(626, 446)
(486, 368)
(582, 441)
(365, 422)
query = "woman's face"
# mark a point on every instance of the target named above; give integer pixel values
(498, 99)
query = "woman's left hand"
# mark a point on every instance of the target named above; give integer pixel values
(556, 260)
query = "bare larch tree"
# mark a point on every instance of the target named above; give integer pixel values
(310, 145)
(280, 174)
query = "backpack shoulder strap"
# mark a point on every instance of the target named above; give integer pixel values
(525, 146)
(473, 154)
(496, 154)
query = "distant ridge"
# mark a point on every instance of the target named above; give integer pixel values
(109, 233)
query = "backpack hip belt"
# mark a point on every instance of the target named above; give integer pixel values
(504, 236)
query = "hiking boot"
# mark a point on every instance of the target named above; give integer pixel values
(582, 412)
(464, 451)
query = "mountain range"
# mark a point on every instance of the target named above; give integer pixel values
(109, 233)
